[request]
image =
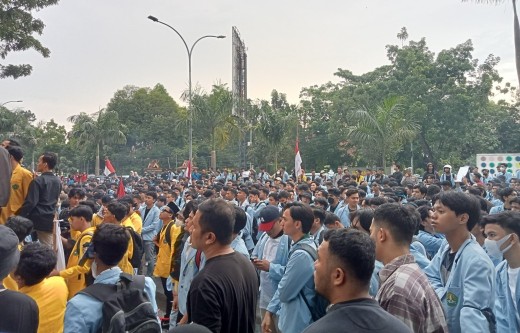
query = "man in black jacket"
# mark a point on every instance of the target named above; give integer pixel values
(40, 203)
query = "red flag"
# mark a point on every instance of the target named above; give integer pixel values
(109, 169)
(121, 189)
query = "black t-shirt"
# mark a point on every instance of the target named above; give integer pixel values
(359, 315)
(19, 313)
(223, 295)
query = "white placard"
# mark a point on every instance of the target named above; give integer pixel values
(462, 173)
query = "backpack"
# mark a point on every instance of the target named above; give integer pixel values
(137, 256)
(319, 307)
(254, 232)
(126, 307)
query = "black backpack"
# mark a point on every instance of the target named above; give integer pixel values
(126, 307)
(137, 256)
(319, 307)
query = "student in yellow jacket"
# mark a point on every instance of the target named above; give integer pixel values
(20, 180)
(77, 269)
(165, 240)
(36, 262)
(114, 213)
(132, 216)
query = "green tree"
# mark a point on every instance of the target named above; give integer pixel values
(102, 129)
(381, 132)
(17, 30)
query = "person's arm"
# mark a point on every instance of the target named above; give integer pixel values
(479, 293)
(32, 198)
(75, 321)
(299, 267)
(433, 272)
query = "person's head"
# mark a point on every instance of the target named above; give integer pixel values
(455, 210)
(447, 168)
(9, 253)
(506, 194)
(334, 196)
(21, 226)
(297, 219)
(352, 197)
(36, 262)
(321, 202)
(231, 193)
(502, 233)
(110, 244)
(306, 197)
(213, 224)
(375, 187)
(426, 214)
(115, 212)
(269, 221)
(319, 219)
(80, 217)
(332, 221)
(515, 204)
(166, 213)
(273, 199)
(46, 162)
(242, 194)
(254, 196)
(240, 220)
(75, 195)
(16, 153)
(419, 191)
(362, 219)
(150, 198)
(432, 190)
(188, 213)
(345, 264)
(10, 142)
(161, 201)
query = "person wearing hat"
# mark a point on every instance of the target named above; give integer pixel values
(270, 256)
(21, 314)
(448, 175)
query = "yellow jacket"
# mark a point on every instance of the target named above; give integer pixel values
(166, 251)
(125, 264)
(51, 297)
(96, 220)
(20, 180)
(137, 222)
(74, 274)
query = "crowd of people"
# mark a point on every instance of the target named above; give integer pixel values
(363, 251)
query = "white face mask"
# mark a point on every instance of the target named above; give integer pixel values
(493, 247)
(93, 269)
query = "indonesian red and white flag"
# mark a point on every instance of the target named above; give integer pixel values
(297, 162)
(109, 169)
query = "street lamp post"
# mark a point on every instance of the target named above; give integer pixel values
(190, 52)
(10, 102)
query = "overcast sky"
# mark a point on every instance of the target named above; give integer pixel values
(99, 46)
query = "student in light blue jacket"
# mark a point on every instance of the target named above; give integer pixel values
(461, 272)
(503, 242)
(298, 279)
(151, 226)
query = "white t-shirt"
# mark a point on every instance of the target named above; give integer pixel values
(513, 279)
(267, 289)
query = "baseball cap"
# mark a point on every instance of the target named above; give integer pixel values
(267, 217)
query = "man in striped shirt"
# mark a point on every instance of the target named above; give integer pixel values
(405, 291)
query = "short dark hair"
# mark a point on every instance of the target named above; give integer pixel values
(505, 192)
(303, 213)
(421, 188)
(118, 209)
(152, 194)
(240, 219)
(82, 211)
(110, 243)
(16, 152)
(50, 158)
(365, 217)
(507, 220)
(351, 191)
(21, 226)
(76, 192)
(461, 203)
(401, 221)
(319, 213)
(161, 198)
(217, 216)
(273, 195)
(355, 252)
(432, 190)
(36, 262)
(330, 218)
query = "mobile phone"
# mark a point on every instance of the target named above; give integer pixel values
(253, 259)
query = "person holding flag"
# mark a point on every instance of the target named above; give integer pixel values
(109, 169)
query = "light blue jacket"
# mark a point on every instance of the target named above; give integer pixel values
(419, 253)
(344, 215)
(496, 209)
(374, 280)
(432, 243)
(338, 207)
(151, 224)
(187, 274)
(293, 314)
(469, 288)
(83, 313)
(277, 266)
(508, 318)
(239, 246)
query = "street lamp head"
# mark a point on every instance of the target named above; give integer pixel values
(153, 18)
(221, 36)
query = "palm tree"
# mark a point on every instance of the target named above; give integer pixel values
(516, 30)
(100, 129)
(382, 132)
